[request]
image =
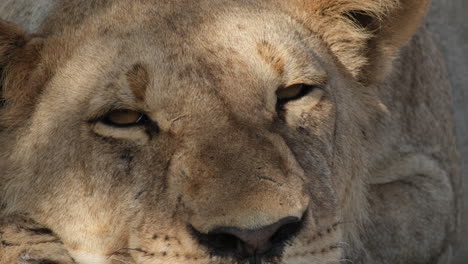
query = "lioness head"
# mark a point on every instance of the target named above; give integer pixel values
(198, 131)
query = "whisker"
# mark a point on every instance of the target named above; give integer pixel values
(123, 251)
(130, 249)
(345, 222)
(122, 260)
(177, 118)
(343, 244)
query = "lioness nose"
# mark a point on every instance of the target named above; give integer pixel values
(249, 243)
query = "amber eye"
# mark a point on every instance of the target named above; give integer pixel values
(124, 118)
(292, 93)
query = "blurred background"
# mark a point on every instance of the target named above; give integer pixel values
(448, 21)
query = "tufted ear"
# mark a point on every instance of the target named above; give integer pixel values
(19, 57)
(365, 35)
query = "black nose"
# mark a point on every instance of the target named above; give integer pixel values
(250, 244)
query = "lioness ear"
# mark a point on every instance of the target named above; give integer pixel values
(365, 35)
(19, 56)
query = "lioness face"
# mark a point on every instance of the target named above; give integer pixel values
(199, 135)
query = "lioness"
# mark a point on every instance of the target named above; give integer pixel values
(224, 131)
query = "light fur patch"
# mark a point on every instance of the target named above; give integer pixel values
(411, 165)
(87, 258)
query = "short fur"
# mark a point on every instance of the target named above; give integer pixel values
(368, 159)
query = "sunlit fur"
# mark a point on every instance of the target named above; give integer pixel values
(370, 157)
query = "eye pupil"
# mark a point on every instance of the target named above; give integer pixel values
(124, 118)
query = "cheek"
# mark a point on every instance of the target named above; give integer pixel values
(296, 111)
(100, 195)
(319, 121)
(315, 131)
(90, 216)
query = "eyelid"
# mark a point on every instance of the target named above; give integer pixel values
(132, 133)
(315, 78)
(296, 91)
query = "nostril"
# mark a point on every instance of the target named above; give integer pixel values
(286, 232)
(221, 244)
(246, 243)
(223, 241)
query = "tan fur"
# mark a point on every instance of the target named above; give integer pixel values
(271, 57)
(138, 80)
(368, 158)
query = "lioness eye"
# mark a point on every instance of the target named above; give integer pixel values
(124, 118)
(293, 92)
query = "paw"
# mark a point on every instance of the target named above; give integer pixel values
(22, 241)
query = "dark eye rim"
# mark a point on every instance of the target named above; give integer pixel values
(142, 120)
(306, 89)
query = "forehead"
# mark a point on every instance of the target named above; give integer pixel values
(248, 33)
(224, 50)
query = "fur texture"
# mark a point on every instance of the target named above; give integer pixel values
(366, 158)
